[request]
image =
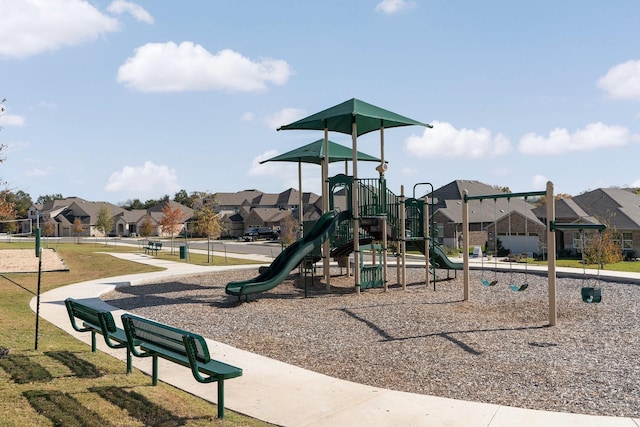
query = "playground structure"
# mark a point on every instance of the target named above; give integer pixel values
(383, 218)
(588, 294)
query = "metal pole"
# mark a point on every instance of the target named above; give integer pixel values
(403, 248)
(465, 246)
(300, 209)
(356, 207)
(38, 298)
(551, 256)
(384, 252)
(326, 248)
(427, 252)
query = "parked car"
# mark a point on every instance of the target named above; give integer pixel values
(267, 233)
(250, 235)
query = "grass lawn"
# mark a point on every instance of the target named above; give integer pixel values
(63, 383)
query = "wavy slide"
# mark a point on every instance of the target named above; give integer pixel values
(289, 258)
(439, 257)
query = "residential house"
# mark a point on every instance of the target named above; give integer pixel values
(64, 212)
(567, 211)
(507, 216)
(617, 208)
(238, 208)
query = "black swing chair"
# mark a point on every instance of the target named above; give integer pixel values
(525, 284)
(590, 294)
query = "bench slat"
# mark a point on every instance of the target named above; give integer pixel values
(98, 321)
(213, 368)
(147, 338)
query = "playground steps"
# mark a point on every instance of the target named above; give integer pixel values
(374, 226)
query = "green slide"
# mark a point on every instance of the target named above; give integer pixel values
(289, 258)
(439, 258)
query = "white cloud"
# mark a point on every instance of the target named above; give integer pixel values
(284, 117)
(594, 136)
(286, 173)
(622, 81)
(11, 120)
(539, 181)
(247, 117)
(394, 6)
(446, 141)
(138, 12)
(149, 178)
(267, 169)
(30, 27)
(169, 67)
(35, 172)
(635, 183)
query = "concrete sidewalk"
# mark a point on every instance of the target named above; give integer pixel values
(290, 396)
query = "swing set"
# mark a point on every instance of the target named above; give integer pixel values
(483, 280)
(589, 294)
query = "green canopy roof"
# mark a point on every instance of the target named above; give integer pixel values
(314, 153)
(340, 117)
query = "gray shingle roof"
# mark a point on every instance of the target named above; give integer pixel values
(618, 207)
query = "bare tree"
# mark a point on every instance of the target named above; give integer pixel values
(147, 227)
(104, 222)
(207, 221)
(289, 229)
(48, 229)
(172, 221)
(77, 228)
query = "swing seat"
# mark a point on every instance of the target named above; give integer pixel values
(591, 295)
(516, 288)
(486, 282)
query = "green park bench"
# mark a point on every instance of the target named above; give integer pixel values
(147, 338)
(97, 321)
(152, 248)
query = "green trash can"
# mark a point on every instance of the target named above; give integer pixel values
(183, 252)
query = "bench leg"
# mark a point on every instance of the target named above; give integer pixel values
(93, 341)
(154, 371)
(221, 399)
(129, 362)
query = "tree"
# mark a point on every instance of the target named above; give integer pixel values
(289, 229)
(603, 248)
(49, 198)
(152, 202)
(49, 228)
(207, 221)
(7, 208)
(542, 200)
(502, 189)
(183, 198)
(133, 204)
(77, 228)
(22, 202)
(10, 227)
(147, 227)
(104, 222)
(171, 221)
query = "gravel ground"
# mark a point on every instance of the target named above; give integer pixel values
(496, 348)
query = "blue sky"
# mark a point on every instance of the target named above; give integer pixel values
(113, 100)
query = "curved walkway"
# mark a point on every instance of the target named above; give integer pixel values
(286, 395)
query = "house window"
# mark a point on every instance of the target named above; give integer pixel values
(627, 241)
(439, 232)
(577, 241)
